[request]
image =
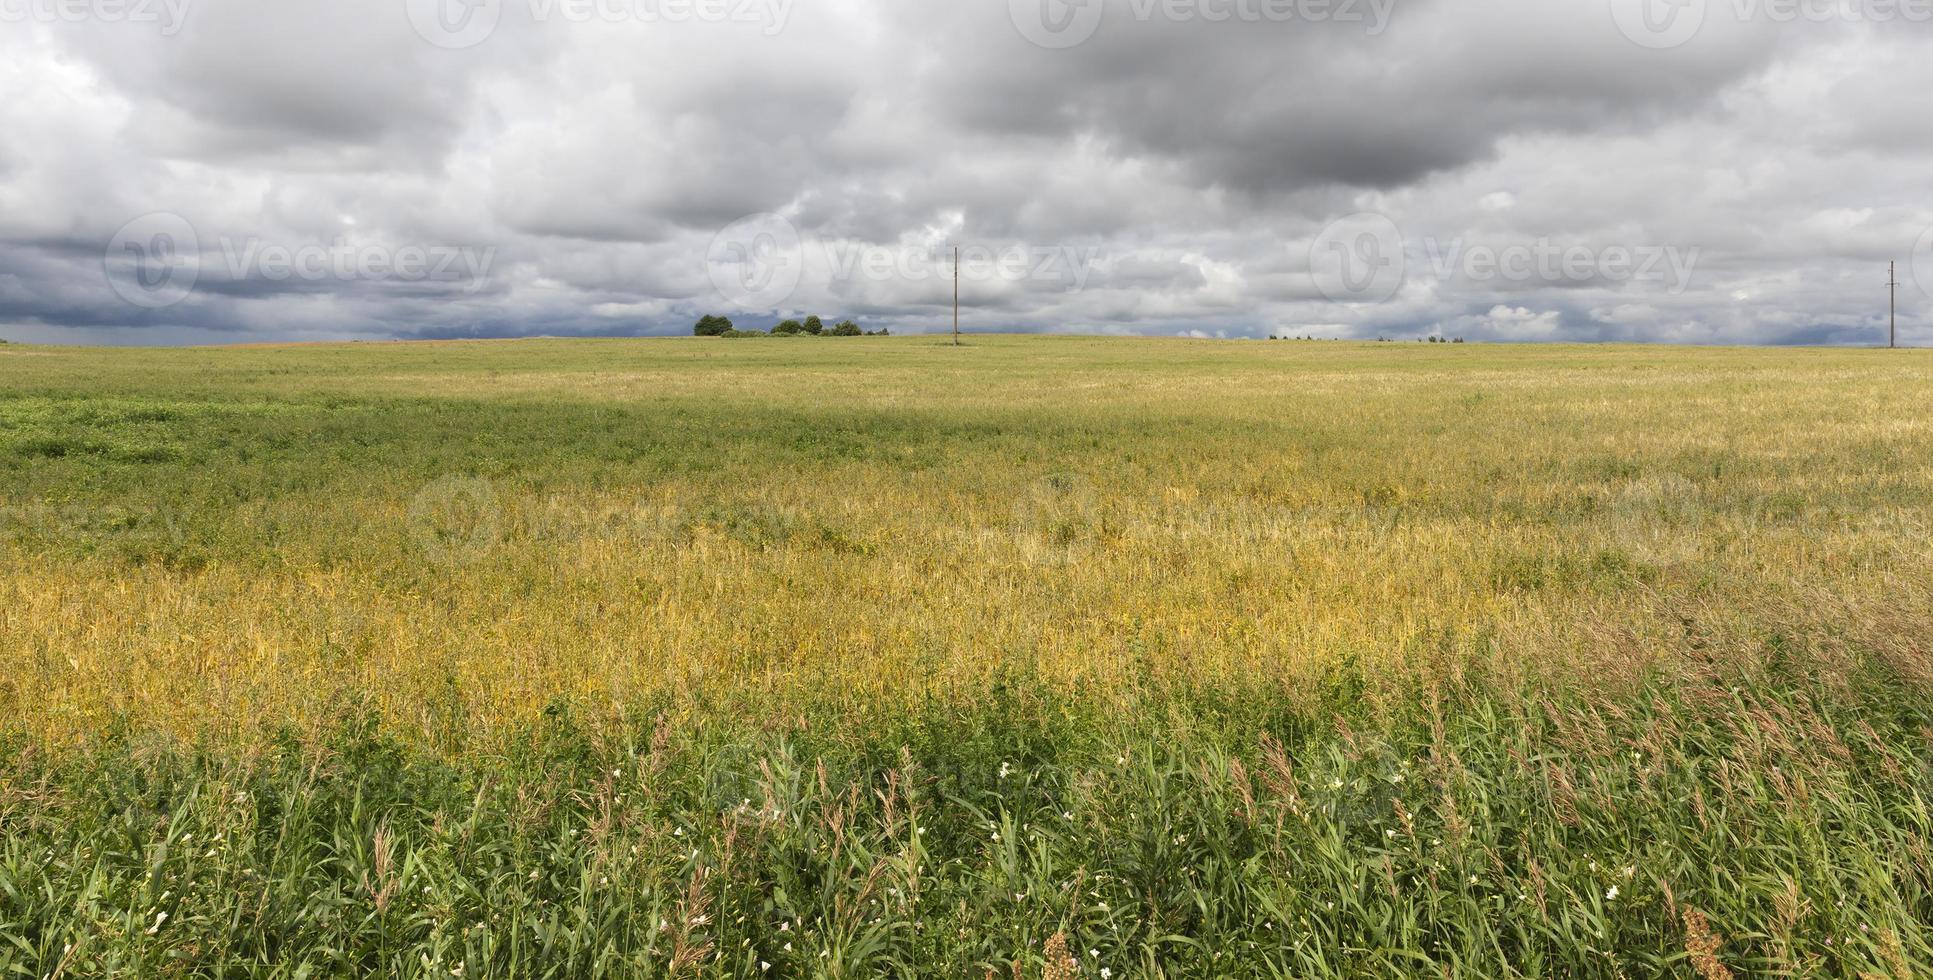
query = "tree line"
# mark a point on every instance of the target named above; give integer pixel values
(812, 326)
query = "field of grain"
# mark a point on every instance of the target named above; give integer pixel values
(1038, 657)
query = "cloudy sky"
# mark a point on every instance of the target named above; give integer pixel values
(1709, 171)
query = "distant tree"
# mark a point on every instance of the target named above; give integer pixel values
(712, 326)
(847, 328)
(814, 326)
(788, 328)
(881, 332)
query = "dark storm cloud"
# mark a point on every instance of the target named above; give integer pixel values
(1279, 106)
(1170, 172)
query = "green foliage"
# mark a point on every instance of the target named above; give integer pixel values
(1196, 834)
(1216, 660)
(718, 326)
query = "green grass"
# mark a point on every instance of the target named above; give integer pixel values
(884, 657)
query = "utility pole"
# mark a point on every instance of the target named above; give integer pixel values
(1892, 291)
(956, 295)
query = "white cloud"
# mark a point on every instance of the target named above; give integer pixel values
(1191, 166)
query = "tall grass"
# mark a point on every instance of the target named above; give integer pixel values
(1774, 829)
(1163, 658)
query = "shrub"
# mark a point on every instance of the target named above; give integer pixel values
(811, 326)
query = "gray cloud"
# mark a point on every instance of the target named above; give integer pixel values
(1169, 174)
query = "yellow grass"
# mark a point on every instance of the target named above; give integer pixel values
(198, 542)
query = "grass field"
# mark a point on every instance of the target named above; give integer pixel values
(1038, 657)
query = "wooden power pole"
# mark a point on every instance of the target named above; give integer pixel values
(956, 295)
(1892, 314)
